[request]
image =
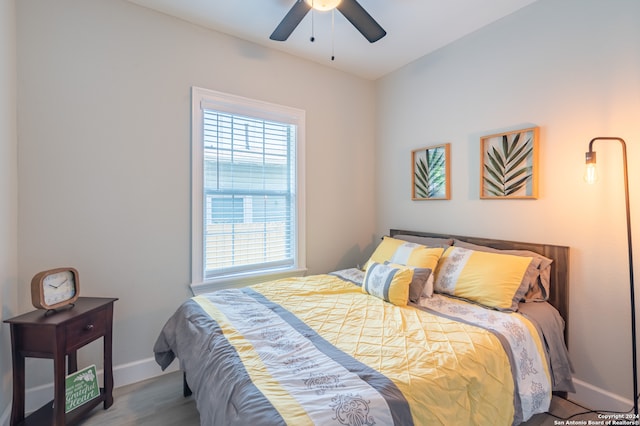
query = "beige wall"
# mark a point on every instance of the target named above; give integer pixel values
(8, 195)
(571, 67)
(104, 167)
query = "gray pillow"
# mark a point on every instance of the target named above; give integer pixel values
(426, 241)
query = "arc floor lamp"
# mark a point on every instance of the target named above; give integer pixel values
(590, 177)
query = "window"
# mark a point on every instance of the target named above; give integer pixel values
(248, 207)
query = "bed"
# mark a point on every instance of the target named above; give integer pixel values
(434, 329)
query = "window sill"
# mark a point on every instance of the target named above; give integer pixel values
(243, 280)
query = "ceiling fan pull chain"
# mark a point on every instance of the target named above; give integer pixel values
(313, 31)
(333, 16)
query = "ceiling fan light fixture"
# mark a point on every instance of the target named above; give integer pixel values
(350, 9)
(323, 5)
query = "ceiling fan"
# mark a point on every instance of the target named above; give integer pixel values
(351, 10)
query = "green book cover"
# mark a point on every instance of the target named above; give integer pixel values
(80, 387)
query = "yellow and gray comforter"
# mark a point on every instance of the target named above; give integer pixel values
(316, 350)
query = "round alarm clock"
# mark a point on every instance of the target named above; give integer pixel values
(55, 288)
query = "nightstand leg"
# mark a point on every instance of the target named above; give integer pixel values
(17, 405)
(59, 398)
(72, 362)
(108, 362)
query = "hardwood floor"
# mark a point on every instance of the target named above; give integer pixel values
(159, 402)
(563, 409)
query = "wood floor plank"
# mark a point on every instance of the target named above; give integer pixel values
(156, 402)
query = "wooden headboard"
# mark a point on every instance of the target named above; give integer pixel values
(559, 283)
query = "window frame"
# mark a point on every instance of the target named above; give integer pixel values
(210, 99)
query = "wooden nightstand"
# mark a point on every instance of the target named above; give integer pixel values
(55, 336)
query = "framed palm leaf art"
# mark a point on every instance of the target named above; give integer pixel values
(509, 165)
(431, 174)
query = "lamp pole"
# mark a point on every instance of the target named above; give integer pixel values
(590, 160)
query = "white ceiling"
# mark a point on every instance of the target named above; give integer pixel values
(414, 28)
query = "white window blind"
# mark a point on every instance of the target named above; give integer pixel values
(249, 180)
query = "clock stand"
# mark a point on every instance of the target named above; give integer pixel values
(54, 311)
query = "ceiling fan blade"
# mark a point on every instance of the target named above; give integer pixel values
(290, 21)
(360, 19)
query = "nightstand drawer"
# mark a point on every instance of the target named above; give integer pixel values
(84, 330)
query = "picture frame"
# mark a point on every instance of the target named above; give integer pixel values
(431, 173)
(509, 165)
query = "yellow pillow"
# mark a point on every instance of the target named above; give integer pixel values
(389, 283)
(402, 252)
(494, 280)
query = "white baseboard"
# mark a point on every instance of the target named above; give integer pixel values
(138, 371)
(123, 375)
(598, 399)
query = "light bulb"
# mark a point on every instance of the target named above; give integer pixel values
(323, 5)
(590, 173)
